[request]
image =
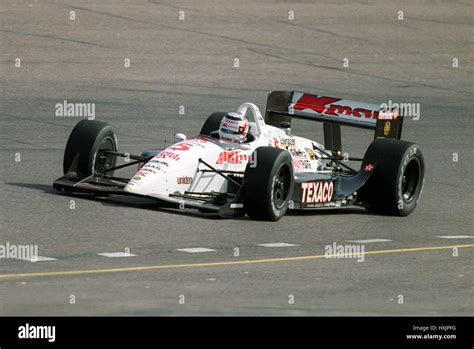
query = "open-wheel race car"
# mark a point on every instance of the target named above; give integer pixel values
(268, 172)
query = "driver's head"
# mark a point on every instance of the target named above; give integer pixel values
(234, 128)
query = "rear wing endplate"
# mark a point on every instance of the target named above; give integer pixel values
(282, 106)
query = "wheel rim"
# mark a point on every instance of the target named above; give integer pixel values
(281, 186)
(104, 161)
(410, 180)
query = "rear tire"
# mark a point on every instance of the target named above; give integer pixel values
(268, 184)
(212, 123)
(396, 184)
(84, 143)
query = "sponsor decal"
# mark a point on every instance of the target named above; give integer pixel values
(232, 157)
(388, 115)
(136, 178)
(386, 128)
(329, 204)
(184, 180)
(166, 154)
(156, 163)
(181, 146)
(152, 166)
(230, 121)
(369, 168)
(286, 142)
(301, 164)
(316, 192)
(150, 170)
(297, 153)
(311, 153)
(324, 105)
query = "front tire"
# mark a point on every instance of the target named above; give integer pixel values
(396, 184)
(268, 184)
(82, 150)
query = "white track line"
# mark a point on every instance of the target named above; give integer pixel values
(455, 237)
(195, 249)
(368, 241)
(38, 259)
(116, 254)
(277, 244)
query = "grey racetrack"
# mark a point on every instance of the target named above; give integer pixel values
(423, 265)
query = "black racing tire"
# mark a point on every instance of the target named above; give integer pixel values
(212, 123)
(268, 184)
(85, 141)
(396, 183)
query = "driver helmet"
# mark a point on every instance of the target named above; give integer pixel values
(234, 128)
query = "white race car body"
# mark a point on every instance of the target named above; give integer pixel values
(178, 169)
(271, 172)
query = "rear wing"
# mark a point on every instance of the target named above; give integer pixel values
(282, 106)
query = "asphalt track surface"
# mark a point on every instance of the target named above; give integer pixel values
(190, 62)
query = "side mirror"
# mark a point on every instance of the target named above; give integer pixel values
(179, 137)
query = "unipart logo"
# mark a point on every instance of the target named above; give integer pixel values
(232, 157)
(316, 192)
(324, 105)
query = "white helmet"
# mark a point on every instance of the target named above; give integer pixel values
(234, 128)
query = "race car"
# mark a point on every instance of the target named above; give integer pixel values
(264, 176)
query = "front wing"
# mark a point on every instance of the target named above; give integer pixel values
(223, 204)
